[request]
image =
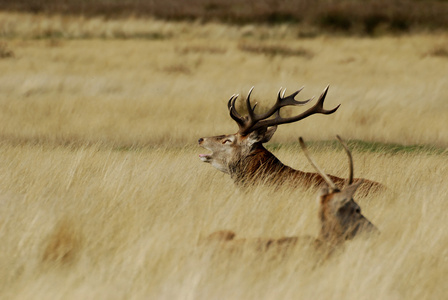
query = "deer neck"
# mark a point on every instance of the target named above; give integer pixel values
(330, 232)
(329, 235)
(256, 166)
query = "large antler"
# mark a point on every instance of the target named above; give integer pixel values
(252, 121)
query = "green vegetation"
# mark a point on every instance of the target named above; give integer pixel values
(274, 49)
(365, 146)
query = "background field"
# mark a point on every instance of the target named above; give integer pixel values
(360, 17)
(103, 196)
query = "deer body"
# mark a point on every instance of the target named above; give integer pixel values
(340, 220)
(243, 156)
(339, 215)
(261, 166)
(248, 162)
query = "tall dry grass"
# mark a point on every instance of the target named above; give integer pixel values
(103, 196)
(96, 223)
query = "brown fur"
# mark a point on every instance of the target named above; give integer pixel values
(243, 157)
(261, 166)
(336, 226)
(226, 240)
(339, 215)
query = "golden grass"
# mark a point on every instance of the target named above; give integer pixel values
(103, 196)
(97, 89)
(101, 223)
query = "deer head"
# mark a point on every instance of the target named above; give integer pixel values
(340, 216)
(229, 150)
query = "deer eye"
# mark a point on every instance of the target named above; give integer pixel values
(358, 210)
(226, 141)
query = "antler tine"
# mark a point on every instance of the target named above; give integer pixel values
(320, 103)
(232, 100)
(250, 110)
(289, 100)
(315, 109)
(233, 113)
(350, 159)
(321, 173)
(283, 101)
(231, 104)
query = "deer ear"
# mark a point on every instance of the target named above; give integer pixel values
(351, 189)
(262, 135)
(323, 191)
(347, 193)
(269, 133)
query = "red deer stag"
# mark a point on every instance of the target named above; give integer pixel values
(243, 156)
(340, 218)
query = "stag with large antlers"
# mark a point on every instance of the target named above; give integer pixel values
(340, 217)
(243, 156)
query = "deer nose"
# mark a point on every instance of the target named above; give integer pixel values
(200, 140)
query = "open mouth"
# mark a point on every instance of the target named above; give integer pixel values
(205, 157)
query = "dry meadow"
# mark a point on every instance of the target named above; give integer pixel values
(102, 194)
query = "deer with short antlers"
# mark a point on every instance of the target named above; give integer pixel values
(243, 156)
(340, 217)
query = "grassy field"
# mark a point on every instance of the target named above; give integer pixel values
(102, 195)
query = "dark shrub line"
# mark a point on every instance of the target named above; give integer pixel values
(348, 16)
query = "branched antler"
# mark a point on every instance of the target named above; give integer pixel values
(252, 121)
